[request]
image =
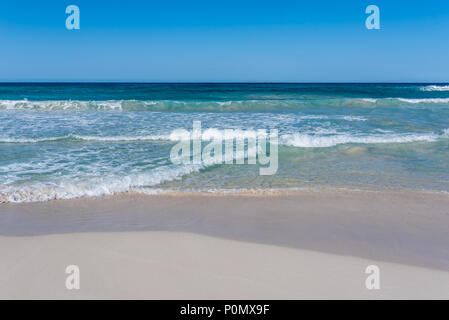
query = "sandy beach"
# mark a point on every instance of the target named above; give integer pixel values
(224, 151)
(304, 244)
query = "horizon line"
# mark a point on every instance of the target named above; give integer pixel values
(216, 82)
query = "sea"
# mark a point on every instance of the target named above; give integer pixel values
(73, 140)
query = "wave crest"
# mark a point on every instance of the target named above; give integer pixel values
(302, 140)
(237, 105)
(435, 88)
(95, 187)
(311, 141)
(427, 100)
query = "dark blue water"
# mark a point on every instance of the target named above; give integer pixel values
(215, 92)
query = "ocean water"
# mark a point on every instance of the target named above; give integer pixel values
(60, 141)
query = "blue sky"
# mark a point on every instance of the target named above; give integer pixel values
(229, 40)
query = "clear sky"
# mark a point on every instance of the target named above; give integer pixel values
(225, 40)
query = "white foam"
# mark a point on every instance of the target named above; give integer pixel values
(28, 140)
(60, 105)
(122, 105)
(372, 100)
(94, 187)
(332, 117)
(320, 138)
(435, 88)
(428, 100)
(177, 135)
(172, 105)
(90, 138)
(121, 138)
(76, 187)
(354, 118)
(314, 141)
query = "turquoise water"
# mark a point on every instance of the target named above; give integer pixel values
(61, 141)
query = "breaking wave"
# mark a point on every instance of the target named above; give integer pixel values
(313, 141)
(435, 88)
(238, 105)
(429, 100)
(303, 140)
(95, 187)
(71, 188)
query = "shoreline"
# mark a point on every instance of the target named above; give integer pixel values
(409, 228)
(300, 246)
(270, 192)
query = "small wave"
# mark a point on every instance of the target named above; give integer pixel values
(429, 100)
(372, 100)
(323, 117)
(389, 102)
(237, 105)
(95, 187)
(30, 140)
(170, 137)
(102, 186)
(145, 105)
(176, 135)
(65, 105)
(311, 141)
(124, 138)
(435, 88)
(208, 106)
(354, 118)
(324, 138)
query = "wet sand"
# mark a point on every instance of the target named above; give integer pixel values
(304, 244)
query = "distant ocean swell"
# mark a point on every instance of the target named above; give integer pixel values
(435, 88)
(231, 105)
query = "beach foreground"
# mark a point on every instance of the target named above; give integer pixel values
(304, 244)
